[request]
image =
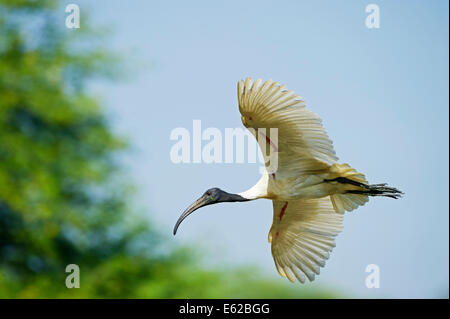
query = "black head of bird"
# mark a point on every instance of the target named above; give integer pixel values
(211, 196)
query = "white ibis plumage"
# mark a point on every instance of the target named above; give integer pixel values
(310, 191)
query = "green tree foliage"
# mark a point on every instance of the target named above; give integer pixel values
(62, 199)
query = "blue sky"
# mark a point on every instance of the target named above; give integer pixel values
(382, 94)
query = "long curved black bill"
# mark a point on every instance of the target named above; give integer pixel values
(202, 201)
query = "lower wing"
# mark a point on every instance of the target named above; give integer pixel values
(302, 236)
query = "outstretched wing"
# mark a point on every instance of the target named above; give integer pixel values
(302, 236)
(303, 145)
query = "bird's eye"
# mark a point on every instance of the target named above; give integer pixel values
(208, 193)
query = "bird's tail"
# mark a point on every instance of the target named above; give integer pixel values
(378, 190)
(357, 190)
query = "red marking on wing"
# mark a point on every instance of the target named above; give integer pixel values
(283, 210)
(269, 141)
(273, 175)
(277, 234)
(251, 118)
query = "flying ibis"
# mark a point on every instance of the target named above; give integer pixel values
(310, 190)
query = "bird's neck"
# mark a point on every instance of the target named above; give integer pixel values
(259, 190)
(227, 197)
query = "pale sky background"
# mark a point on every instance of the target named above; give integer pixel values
(382, 95)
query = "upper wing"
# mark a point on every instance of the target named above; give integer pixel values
(302, 236)
(303, 145)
